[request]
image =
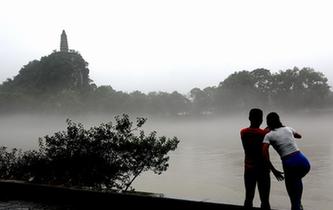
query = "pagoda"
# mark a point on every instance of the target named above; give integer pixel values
(63, 42)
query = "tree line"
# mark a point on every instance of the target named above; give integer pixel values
(60, 83)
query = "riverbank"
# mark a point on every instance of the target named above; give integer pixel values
(23, 195)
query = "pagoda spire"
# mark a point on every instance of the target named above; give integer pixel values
(63, 42)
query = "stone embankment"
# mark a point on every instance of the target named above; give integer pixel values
(20, 195)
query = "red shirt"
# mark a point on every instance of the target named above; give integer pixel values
(252, 143)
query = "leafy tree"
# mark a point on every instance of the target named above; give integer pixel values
(314, 86)
(105, 157)
(238, 91)
(262, 83)
(178, 103)
(201, 100)
(103, 98)
(168, 104)
(159, 103)
(295, 88)
(137, 103)
(282, 87)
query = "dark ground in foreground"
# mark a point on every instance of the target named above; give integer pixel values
(27, 196)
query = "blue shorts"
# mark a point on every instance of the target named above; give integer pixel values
(296, 164)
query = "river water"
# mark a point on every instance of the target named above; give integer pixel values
(208, 163)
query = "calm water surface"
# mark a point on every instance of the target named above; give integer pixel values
(208, 163)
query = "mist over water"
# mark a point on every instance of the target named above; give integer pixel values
(208, 163)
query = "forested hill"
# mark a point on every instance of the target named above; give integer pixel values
(47, 84)
(52, 74)
(60, 83)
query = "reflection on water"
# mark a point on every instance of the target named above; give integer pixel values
(208, 163)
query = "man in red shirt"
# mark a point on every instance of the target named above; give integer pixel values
(256, 171)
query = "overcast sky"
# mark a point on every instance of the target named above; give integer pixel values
(170, 45)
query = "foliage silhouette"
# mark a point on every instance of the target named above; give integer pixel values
(105, 157)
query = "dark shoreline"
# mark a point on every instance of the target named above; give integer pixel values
(69, 198)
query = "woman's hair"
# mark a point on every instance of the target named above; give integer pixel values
(273, 121)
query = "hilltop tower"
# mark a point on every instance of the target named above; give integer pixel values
(63, 42)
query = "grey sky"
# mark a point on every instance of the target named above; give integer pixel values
(170, 45)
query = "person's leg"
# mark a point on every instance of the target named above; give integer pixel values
(250, 186)
(295, 167)
(264, 186)
(303, 167)
(294, 188)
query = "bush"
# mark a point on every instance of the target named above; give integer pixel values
(106, 157)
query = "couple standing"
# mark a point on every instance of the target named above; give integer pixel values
(256, 143)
